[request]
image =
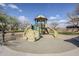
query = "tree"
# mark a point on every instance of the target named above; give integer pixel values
(13, 23)
(3, 24)
(54, 25)
(7, 22)
(74, 18)
(23, 25)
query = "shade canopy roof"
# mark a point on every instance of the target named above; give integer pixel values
(40, 18)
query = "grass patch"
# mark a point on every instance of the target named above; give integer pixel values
(69, 33)
(19, 31)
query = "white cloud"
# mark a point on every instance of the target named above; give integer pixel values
(58, 16)
(58, 19)
(20, 10)
(54, 17)
(22, 19)
(14, 7)
(63, 21)
(2, 4)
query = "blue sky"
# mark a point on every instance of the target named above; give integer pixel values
(28, 11)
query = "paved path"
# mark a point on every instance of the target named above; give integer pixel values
(45, 46)
(4, 51)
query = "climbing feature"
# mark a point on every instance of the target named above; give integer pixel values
(31, 35)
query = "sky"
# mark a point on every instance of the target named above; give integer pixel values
(28, 11)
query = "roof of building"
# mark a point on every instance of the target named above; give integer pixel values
(40, 18)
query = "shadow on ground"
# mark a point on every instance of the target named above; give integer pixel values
(73, 41)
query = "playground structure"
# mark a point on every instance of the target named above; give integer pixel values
(35, 32)
(41, 22)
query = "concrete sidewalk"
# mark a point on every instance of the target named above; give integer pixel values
(45, 46)
(4, 51)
